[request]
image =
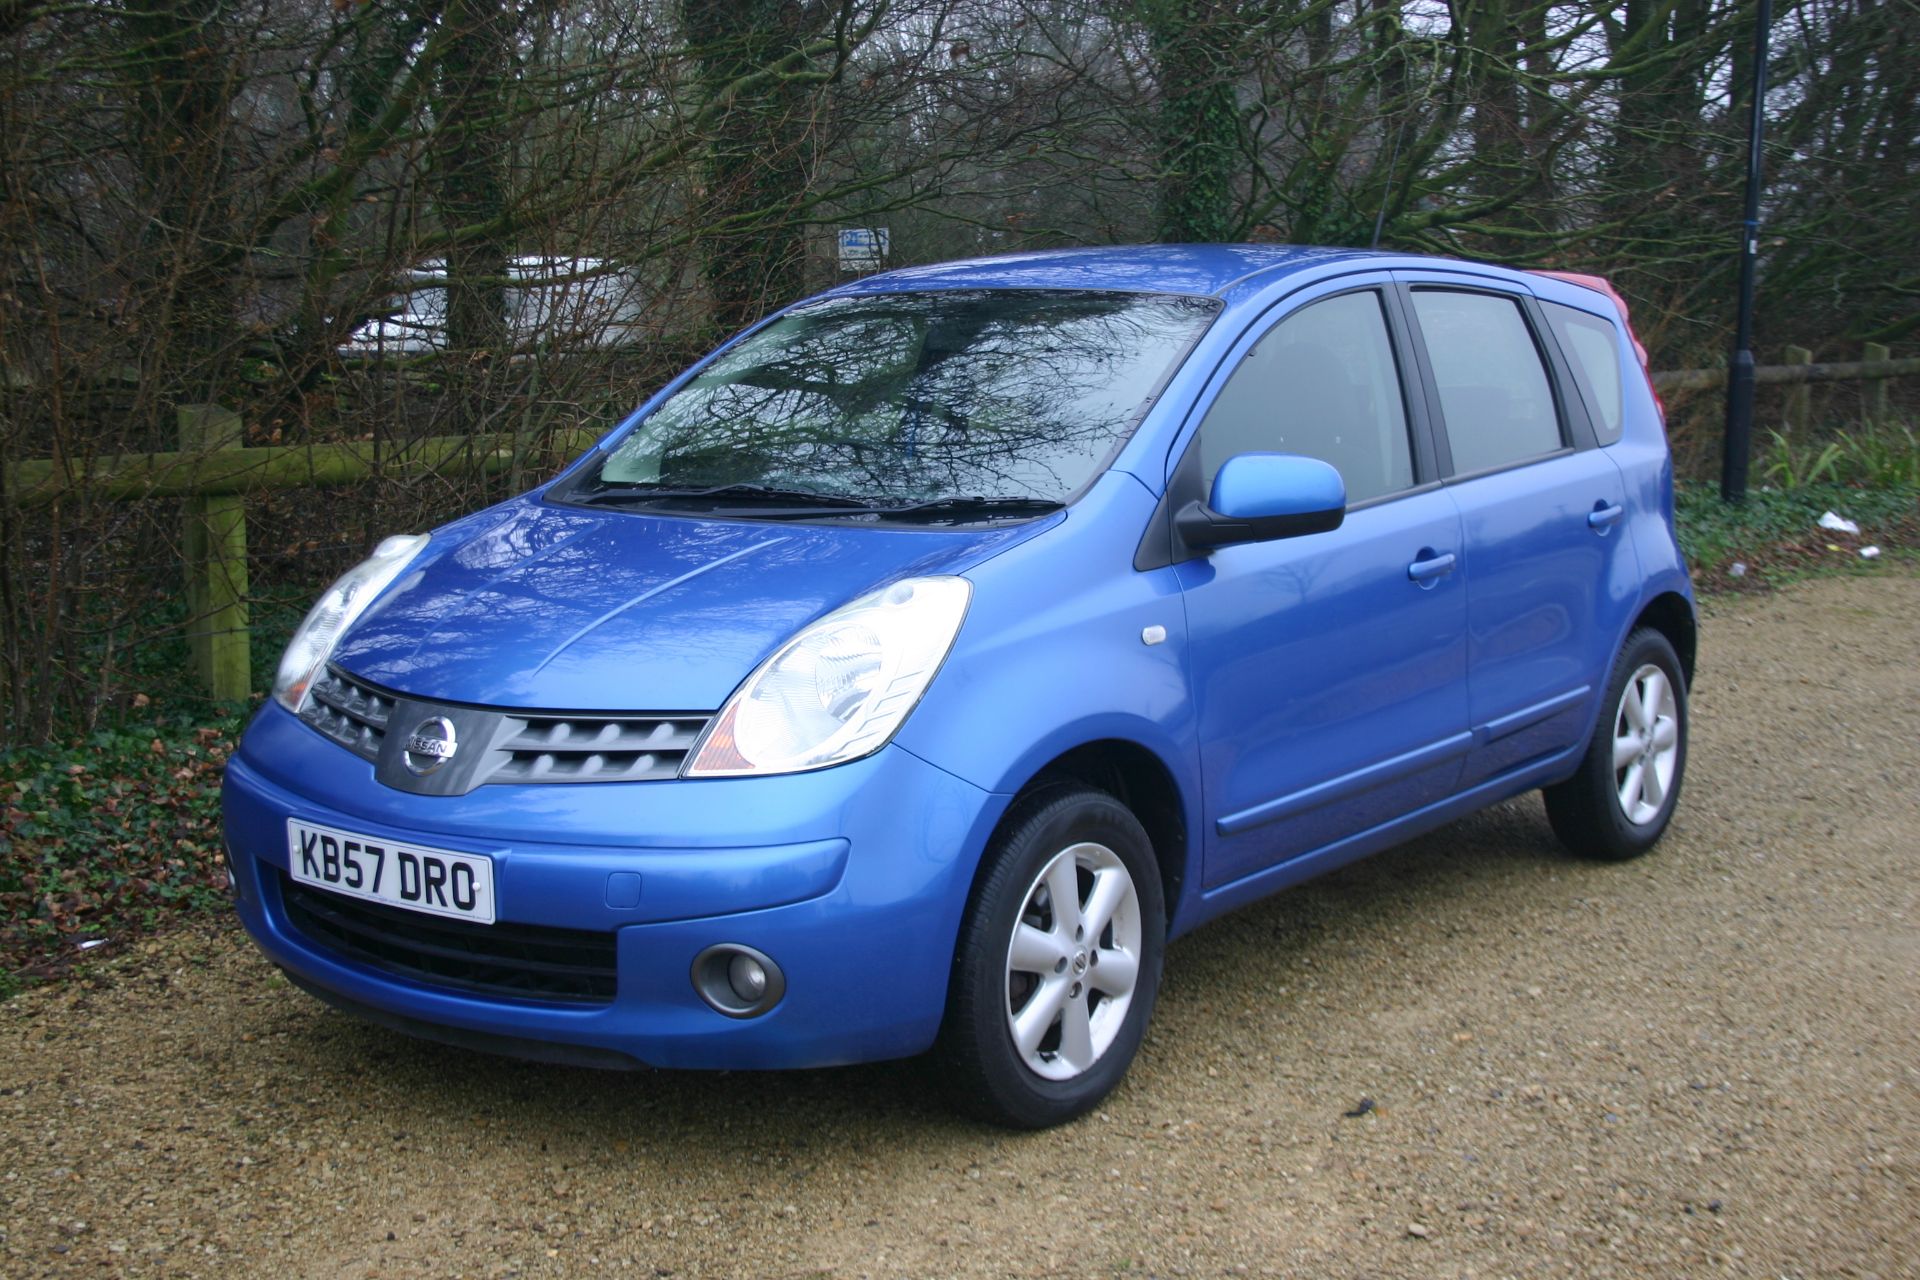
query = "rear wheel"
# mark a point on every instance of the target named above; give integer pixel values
(1058, 962)
(1619, 802)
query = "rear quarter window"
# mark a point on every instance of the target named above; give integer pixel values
(1592, 348)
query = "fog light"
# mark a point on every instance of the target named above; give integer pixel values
(737, 980)
(747, 977)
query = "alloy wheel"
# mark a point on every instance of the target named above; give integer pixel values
(1646, 744)
(1073, 961)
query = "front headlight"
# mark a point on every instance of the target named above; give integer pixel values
(345, 600)
(839, 689)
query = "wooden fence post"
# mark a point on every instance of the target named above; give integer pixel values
(1799, 411)
(214, 543)
(1878, 408)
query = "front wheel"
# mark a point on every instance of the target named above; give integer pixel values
(1058, 962)
(1619, 801)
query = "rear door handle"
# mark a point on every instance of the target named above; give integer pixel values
(1432, 567)
(1602, 517)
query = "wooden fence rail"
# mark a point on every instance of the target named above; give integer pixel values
(202, 472)
(214, 474)
(1849, 371)
(1799, 373)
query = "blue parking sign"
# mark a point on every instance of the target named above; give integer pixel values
(863, 248)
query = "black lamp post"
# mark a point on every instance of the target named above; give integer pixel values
(1739, 434)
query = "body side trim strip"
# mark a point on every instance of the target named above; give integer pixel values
(1346, 785)
(1527, 717)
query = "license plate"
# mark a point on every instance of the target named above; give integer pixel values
(439, 882)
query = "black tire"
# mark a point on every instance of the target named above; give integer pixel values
(987, 1072)
(1587, 811)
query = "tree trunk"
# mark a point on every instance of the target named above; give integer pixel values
(1195, 52)
(183, 84)
(758, 155)
(471, 114)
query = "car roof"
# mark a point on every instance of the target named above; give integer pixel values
(1238, 273)
(1210, 269)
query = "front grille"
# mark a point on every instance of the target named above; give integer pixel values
(496, 745)
(352, 714)
(596, 748)
(521, 961)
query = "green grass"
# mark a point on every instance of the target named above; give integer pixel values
(112, 831)
(1776, 531)
(107, 837)
(1869, 455)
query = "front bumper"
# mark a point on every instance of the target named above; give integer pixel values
(852, 879)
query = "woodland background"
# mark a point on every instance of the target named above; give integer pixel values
(201, 199)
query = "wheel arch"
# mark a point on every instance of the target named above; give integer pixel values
(1671, 614)
(1139, 779)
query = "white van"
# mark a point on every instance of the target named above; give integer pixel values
(566, 304)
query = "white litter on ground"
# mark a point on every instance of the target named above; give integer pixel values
(1838, 523)
(1869, 553)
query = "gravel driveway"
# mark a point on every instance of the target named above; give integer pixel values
(1704, 1062)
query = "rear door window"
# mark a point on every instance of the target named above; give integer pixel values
(1592, 348)
(1494, 393)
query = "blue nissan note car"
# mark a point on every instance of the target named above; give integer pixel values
(904, 675)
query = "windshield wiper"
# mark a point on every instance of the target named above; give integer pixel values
(932, 509)
(976, 505)
(803, 504)
(734, 494)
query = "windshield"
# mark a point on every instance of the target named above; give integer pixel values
(1003, 399)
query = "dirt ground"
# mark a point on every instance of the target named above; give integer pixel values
(1706, 1062)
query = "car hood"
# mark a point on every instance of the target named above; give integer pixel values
(558, 608)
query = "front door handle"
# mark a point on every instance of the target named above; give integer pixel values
(1603, 516)
(1431, 568)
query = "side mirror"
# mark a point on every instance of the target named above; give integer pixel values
(1258, 497)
